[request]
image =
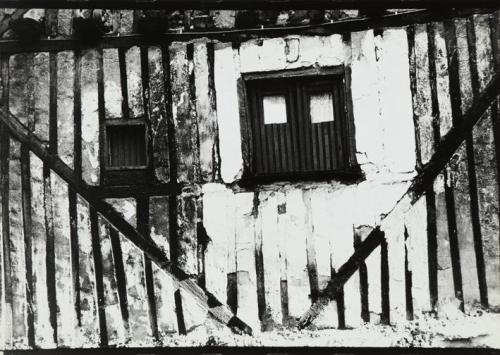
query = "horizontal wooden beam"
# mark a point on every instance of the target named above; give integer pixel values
(444, 152)
(137, 190)
(244, 4)
(239, 35)
(217, 309)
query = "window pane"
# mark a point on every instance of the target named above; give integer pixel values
(274, 109)
(321, 107)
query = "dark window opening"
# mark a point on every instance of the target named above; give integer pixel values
(126, 152)
(126, 147)
(299, 124)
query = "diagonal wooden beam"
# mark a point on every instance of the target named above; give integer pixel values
(206, 300)
(5, 21)
(444, 152)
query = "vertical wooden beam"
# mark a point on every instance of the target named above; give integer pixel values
(6, 266)
(259, 264)
(453, 75)
(97, 254)
(384, 281)
(430, 199)
(101, 111)
(77, 166)
(181, 325)
(121, 278)
(47, 191)
(495, 110)
(408, 283)
(143, 228)
(363, 282)
(311, 254)
(410, 31)
(28, 237)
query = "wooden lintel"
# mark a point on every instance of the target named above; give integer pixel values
(220, 312)
(239, 35)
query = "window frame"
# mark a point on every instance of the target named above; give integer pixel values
(124, 175)
(349, 170)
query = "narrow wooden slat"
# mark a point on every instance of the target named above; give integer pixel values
(363, 282)
(28, 245)
(384, 281)
(97, 254)
(48, 201)
(185, 129)
(123, 82)
(181, 325)
(312, 268)
(408, 283)
(121, 279)
(6, 266)
(143, 228)
(432, 246)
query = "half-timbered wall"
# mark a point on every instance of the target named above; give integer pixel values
(268, 249)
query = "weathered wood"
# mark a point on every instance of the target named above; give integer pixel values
(6, 260)
(121, 279)
(240, 4)
(408, 284)
(444, 92)
(459, 171)
(220, 312)
(483, 136)
(89, 137)
(98, 267)
(185, 133)
(17, 255)
(6, 20)
(113, 97)
(159, 232)
(158, 115)
(48, 203)
(445, 284)
(363, 281)
(452, 140)
(205, 108)
(344, 273)
(342, 26)
(143, 218)
(90, 275)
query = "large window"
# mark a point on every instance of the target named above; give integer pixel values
(299, 124)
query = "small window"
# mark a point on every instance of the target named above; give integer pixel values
(126, 153)
(126, 146)
(298, 124)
